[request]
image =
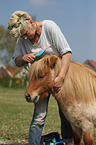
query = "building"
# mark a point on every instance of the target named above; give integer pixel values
(15, 74)
(91, 63)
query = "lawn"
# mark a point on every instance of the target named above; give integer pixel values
(16, 115)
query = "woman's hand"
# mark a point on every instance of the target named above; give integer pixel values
(29, 57)
(57, 84)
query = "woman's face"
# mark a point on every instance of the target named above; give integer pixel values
(28, 33)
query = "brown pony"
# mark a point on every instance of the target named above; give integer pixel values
(77, 97)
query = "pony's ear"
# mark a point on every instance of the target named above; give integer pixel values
(50, 62)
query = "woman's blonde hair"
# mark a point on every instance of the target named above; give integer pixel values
(17, 22)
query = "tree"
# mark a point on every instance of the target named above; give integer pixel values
(6, 40)
(5, 56)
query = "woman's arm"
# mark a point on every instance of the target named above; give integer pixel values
(21, 60)
(64, 67)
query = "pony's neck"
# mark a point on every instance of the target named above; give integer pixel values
(61, 100)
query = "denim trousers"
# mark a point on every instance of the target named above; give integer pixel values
(36, 127)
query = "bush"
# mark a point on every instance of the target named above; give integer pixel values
(4, 81)
(12, 82)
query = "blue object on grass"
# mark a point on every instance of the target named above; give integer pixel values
(54, 142)
(40, 53)
(61, 141)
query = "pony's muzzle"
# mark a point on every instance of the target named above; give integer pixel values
(31, 99)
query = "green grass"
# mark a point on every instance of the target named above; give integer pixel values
(16, 115)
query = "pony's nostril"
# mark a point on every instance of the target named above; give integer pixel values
(28, 96)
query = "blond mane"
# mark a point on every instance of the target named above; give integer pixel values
(37, 67)
(80, 82)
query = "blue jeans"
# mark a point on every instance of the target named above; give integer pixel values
(36, 127)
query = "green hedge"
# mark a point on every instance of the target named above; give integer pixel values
(13, 82)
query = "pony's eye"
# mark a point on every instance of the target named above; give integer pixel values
(41, 77)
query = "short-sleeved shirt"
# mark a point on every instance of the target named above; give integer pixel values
(51, 38)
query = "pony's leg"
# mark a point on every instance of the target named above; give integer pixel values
(77, 134)
(88, 138)
(88, 134)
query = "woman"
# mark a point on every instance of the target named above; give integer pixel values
(33, 37)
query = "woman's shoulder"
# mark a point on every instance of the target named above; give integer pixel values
(49, 22)
(50, 25)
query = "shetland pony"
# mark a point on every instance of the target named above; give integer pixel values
(77, 97)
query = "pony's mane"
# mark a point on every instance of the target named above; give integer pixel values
(86, 68)
(37, 67)
(82, 81)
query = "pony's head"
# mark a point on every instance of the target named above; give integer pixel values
(41, 75)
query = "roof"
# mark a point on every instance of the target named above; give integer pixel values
(91, 63)
(11, 70)
(3, 73)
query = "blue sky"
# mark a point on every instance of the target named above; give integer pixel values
(76, 18)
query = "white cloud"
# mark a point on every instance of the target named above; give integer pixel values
(41, 2)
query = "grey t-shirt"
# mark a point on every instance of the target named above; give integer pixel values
(51, 38)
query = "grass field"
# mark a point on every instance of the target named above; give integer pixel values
(16, 115)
